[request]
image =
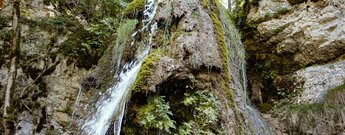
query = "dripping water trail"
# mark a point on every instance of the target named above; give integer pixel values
(76, 104)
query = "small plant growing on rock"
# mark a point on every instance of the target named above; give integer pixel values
(156, 114)
(206, 108)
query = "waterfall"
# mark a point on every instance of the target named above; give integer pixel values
(254, 123)
(112, 103)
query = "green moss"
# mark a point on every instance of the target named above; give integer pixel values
(204, 3)
(156, 115)
(125, 30)
(278, 30)
(134, 7)
(282, 11)
(336, 95)
(265, 107)
(145, 71)
(225, 60)
(335, 91)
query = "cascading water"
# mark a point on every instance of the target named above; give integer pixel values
(112, 102)
(255, 124)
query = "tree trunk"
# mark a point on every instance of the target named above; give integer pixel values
(8, 117)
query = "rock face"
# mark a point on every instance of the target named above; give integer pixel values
(304, 34)
(195, 41)
(47, 82)
(296, 47)
(314, 82)
(311, 32)
(201, 53)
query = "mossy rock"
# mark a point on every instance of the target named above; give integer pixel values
(225, 60)
(145, 71)
(265, 107)
(336, 95)
(134, 7)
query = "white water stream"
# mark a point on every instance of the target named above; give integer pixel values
(111, 104)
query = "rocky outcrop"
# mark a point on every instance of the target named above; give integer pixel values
(304, 34)
(296, 47)
(47, 81)
(312, 83)
(187, 63)
(311, 32)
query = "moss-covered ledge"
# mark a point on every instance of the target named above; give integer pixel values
(134, 7)
(225, 60)
(147, 69)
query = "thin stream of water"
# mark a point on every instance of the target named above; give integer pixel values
(112, 103)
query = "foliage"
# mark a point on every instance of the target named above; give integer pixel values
(92, 41)
(63, 22)
(92, 10)
(281, 92)
(186, 128)
(239, 11)
(278, 30)
(205, 111)
(86, 44)
(267, 70)
(206, 106)
(4, 20)
(125, 30)
(156, 114)
(134, 7)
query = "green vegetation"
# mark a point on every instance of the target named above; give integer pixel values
(134, 7)
(282, 11)
(278, 30)
(156, 114)
(146, 70)
(238, 13)
(303, 117)
(89, 35)
(265, 107)
(125, 30)
(225, 60)
(204, 3)
(186, 128)
(87, 45)
(267, 69)
(206, 106)
(92, 10)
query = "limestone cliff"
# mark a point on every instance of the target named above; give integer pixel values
(197, 78)
(296, 53)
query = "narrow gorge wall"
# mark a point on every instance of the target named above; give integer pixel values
(196, 75)
(296, 55)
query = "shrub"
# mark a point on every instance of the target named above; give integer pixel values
(156, 114)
